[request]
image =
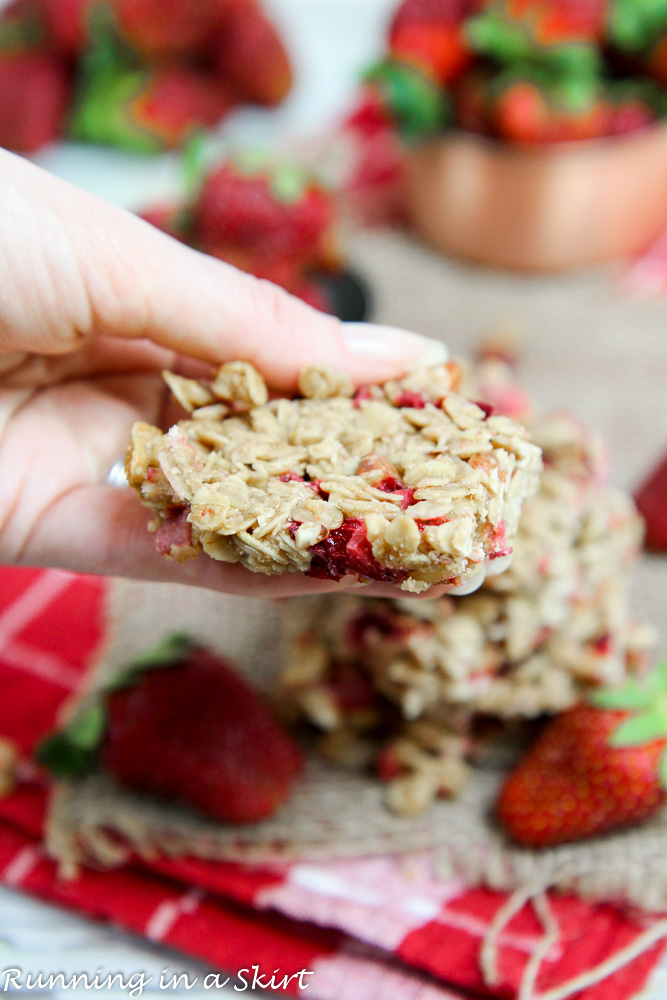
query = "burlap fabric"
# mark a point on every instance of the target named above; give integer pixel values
(589, 348)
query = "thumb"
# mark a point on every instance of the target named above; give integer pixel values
(77, 266)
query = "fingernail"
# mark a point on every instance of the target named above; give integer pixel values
(371, 341)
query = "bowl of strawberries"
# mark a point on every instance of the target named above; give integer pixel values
(533, 132)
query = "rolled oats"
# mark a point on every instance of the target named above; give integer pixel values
(407, 483)
(530, 642)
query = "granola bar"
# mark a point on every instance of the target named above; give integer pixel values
(405, 685)
(408, 483)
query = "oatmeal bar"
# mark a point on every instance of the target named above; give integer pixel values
(404, 685)
(408, 483)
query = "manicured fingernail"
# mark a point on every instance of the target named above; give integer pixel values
(388, 342)
(473, 583)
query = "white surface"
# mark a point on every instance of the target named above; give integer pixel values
(331, 40)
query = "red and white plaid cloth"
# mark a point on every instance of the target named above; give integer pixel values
(368, 929)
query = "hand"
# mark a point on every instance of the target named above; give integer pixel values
(94, 303)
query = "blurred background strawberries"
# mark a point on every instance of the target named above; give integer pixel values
(142, 75)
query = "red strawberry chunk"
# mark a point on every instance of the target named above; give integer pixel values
(409, 399)
(175, 532)
(388, 765)
(497, 540)
(346, 550)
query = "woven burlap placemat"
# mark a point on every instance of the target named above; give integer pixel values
(588, 348)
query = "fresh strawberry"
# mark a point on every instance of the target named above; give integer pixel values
(431, 33)
(35, 90)
(167, 27)
(250, 55)
(651, 499)
(595, 768)
(147, 109)
(180, 724)
(270, 212)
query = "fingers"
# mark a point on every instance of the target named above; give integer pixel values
(75, 266)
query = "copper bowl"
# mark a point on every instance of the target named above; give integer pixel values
(539, 208)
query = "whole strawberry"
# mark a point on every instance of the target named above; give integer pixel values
(651, 499)
(180, 724)
(595, 768)
(269, 213)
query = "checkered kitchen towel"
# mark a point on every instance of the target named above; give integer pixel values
(382, 928)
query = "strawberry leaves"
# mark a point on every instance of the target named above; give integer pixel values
(74, 752)
(634, 694)
(648, 699)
